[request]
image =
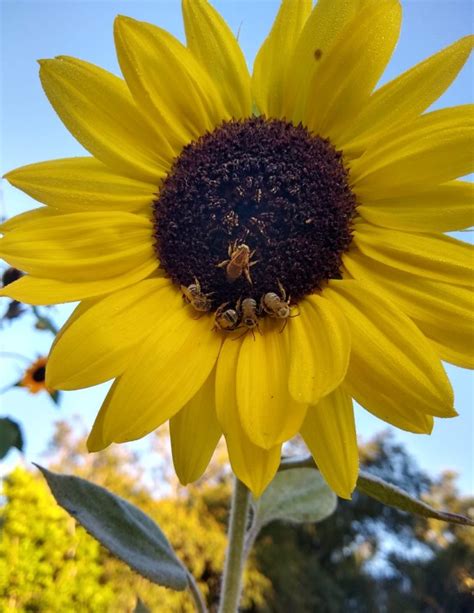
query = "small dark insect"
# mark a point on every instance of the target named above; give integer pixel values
(318, 54)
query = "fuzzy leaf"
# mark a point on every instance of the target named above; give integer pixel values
(119, 526)
(140, 607)
(10, 436)
(299, 495)
(55, 397)
(393, 496)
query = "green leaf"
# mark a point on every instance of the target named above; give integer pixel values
(298, 495)
(140, 607)
(10, 436)
(393, 496)
(55, 397)
(121, 527)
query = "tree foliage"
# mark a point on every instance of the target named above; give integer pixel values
(364, 558)
(47, 563)
(370, 558)
(43, 552)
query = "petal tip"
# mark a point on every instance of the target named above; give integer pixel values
(9, 175)
(451, 413)
(94, 443)
(122, 21)
(345, 494)
(257, 491)
(469, 40)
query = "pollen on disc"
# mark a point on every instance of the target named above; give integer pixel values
(266, 187)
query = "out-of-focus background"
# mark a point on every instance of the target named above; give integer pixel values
(346, 557)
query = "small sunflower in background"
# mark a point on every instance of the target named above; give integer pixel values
(34, 378)
(253, 252)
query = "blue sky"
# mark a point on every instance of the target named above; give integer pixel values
(31, 132)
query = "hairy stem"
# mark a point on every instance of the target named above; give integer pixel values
(196, 594)
(235, 560)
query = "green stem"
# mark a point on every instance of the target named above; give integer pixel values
(251, 537)
(196, 594)
(297, 462)
(45, 321)
(234, 563)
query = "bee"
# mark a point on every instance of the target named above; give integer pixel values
(276, 306)
(194, 296)
(248, 315)
(248, 309)
(226, 319)
(239, 262)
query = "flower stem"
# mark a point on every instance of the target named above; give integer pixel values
(196, 594)
(45, 321)
(235, 561)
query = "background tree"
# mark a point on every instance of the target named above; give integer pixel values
(368, 557)
(365, 558)
(42, 551)
(47, 563)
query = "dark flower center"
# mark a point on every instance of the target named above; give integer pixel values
(39, 374)
(257, 206)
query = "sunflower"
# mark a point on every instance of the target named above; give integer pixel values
(252, 253)
(34, 378)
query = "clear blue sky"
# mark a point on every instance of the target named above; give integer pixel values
(31, 132)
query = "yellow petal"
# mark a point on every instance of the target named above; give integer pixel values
(98, 110)
(348, 74)
(273, 59)
(253, 465)
(80, 310)
(158, 69)
(405, 97)
(320, 347)
(268, 413)
(81, 183)
(100, 344)
(214, 45)
(167, 370)
(41, 213)
(394, 372)
(80, 246)
(194, 433)
(96, 440)
(320, 31)
(35, 290)
(444, 313)
(440, 208)
(434, 256)
(435, 148)
(329, 431)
